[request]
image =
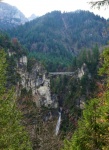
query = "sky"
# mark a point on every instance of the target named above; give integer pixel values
(41, 7)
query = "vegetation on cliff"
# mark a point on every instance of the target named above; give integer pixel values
(61, 42)
(93, 127)
(12, 134)
(56, 37)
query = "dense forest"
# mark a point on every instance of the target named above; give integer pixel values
(93, 127)
(12, 133)
(56, 37)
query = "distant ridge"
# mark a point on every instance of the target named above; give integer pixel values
(10, 16)
(58, 31)
(57, 38)
(32, 17)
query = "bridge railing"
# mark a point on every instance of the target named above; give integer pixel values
(61, 73)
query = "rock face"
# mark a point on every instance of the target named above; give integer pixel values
(82, 71)
(32, 17)
(37, 81)
(10, 16)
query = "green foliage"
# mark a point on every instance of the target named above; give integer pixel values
(12, 76)
(52, 62)
(105, 67)
(18, 49)
(14, 51)
(4, 40)
(2, 71)
(55, 37)
(30, 63)
(12, 133)
(93, 128)
(68, 91)
(89, 57)
(77, 30)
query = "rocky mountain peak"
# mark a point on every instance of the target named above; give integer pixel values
(33, 16)
(10, 16)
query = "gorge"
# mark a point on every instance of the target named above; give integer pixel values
(49, 81)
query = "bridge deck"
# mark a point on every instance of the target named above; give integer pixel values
(61, 73)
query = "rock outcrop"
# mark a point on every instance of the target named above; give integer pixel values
(82, 71)
(37, 81)
(32, 17)
(10, 16)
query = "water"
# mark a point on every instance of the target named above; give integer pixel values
(58, 124)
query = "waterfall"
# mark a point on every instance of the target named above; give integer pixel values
(58, 124)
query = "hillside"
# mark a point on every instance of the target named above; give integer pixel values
(43, 99)
(39, 96)
(55, 37)
(10, 16)
(71, 31)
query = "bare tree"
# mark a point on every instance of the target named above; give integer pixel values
(99, 3)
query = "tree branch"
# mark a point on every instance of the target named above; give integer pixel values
(99, 3)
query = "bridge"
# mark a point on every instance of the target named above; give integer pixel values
(61, 73)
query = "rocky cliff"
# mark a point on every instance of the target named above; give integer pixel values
(10, 16)
(37, 81)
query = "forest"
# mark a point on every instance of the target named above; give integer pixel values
(56, 38)
(74, 42)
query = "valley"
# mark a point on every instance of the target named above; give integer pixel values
(51, 83)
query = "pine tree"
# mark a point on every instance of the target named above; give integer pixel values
(93, 128)
(12, 134)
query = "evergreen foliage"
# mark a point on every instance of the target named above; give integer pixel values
(12, 133)
(105, 68)
(4, 40)
(73, 91)
(93, 128)
(56, 37)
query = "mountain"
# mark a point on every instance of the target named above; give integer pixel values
(34, 88)
(33, 16)
(55, 37)
(31, 85)
(71, 31)
(10, 16)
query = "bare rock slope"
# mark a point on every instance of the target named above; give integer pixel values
(10, 16)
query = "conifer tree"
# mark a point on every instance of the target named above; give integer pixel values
(93, 128)
(12, 134)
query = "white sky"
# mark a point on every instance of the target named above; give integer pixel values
(41, 7)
